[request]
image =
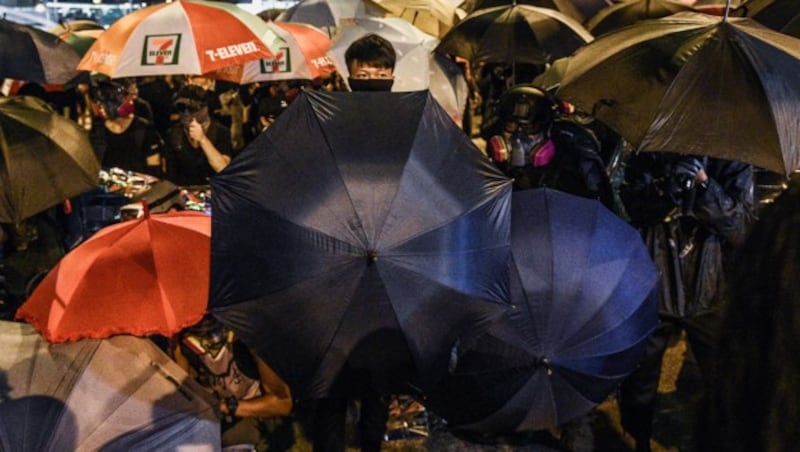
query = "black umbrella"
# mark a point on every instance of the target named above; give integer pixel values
(45, 158)
(697, 84)
(567, 7)
(631, 11)
(30, 54)
(514, 34)
(577, 9)
(581, 285)
(783, 15)
(355, 215)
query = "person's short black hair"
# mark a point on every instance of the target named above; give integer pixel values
(371, 50)
(191, 98)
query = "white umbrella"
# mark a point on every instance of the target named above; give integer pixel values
(417, 68)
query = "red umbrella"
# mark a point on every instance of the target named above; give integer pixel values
(181, 37)
(301, 52)
(141, 277)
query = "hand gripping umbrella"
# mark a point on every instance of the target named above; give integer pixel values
(121, 393)
(143, 276)
(581, 280)
(696, 84)
(358, 214)
(45, 158)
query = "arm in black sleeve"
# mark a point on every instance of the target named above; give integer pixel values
(726, 204)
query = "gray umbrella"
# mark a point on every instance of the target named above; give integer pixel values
(121, 393)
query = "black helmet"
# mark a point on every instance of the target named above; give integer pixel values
(528, 105)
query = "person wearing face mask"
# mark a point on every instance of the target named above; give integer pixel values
(199, 147)
(126, 141)
(538, 144)
(370, 61)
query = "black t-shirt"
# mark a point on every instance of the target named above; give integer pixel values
(130, 149)
(187, 165)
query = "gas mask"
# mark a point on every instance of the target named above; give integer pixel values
(115, 101)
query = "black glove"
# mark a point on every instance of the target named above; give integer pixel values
(683, 175)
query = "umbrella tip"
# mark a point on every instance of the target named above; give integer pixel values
(145, 209)
(372, 257)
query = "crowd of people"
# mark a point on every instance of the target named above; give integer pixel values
(693, 212)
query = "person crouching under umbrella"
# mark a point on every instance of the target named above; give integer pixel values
(249, 391)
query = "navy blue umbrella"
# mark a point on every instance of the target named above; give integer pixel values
(353, 216)
(581, 286)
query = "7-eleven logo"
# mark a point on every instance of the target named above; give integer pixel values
(281, 63)
(161, 50)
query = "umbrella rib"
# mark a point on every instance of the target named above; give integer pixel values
(329, 146)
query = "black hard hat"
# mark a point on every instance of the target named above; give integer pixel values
(527, 104)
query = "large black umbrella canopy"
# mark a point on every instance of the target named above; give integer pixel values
(514, 34)
(631, 11)
(697, 84)
(582, 286)
(30, 54)
(116, 394)
(358, 214)
(45, 158)
(775, 14)
(577, 9)
(567, 7)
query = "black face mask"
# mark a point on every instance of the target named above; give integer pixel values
(370, 84)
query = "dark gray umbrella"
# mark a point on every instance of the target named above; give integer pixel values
(514, 34)
(696, 84)
(631, 11)
(27, 53)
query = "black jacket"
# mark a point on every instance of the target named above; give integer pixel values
(689, 237)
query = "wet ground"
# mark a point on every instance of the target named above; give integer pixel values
(678, 398)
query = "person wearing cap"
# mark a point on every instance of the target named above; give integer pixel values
(198, 146)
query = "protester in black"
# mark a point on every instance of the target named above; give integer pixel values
(371, 61)
(122, 139)
(539, 145)
(692, 212)
(198, 146)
